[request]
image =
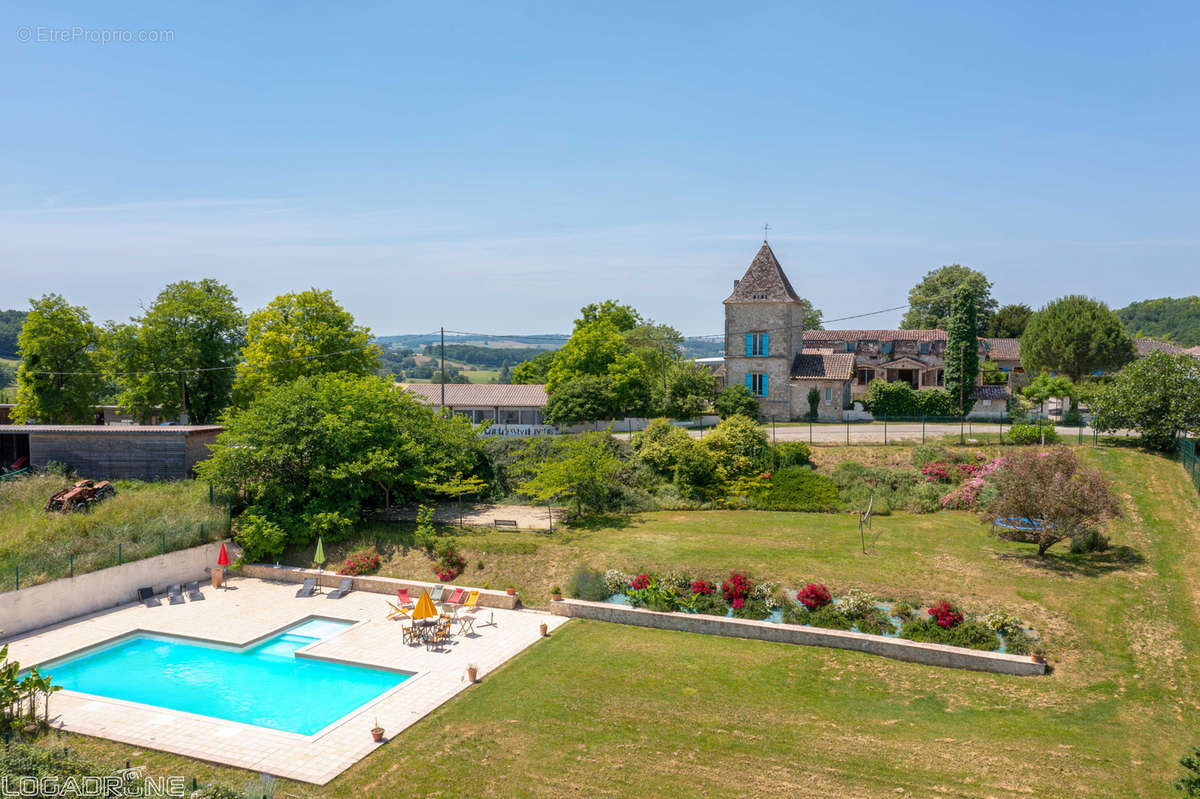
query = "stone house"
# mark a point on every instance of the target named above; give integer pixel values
(768, 350)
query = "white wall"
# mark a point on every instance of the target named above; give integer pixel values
(50, 603)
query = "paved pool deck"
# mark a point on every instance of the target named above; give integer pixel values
(252, 609)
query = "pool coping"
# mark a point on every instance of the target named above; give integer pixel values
(411, 675)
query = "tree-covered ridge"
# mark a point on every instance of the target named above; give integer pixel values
(1174, 319)
(10, 328)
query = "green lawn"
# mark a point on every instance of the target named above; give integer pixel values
(621, 710)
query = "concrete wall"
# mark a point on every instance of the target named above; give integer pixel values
(897, 648)
(53, 602)
(379, 585)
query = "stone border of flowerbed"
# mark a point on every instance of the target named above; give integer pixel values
(379, 585)
(953, 657)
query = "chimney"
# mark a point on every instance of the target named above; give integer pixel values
(735, 283)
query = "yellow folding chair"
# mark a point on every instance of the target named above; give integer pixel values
(397, 612)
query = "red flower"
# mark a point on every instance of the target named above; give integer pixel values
(640, 582)
(703, 587)
(737, 603)
(946, 614)
(814, 596)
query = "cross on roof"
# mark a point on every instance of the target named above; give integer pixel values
(765, 229)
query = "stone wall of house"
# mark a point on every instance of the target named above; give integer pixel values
(784, 324)
(829, 410)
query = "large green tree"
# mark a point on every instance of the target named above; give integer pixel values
(1010, 320)
(736, 400)
(962, 349)
(582, 470)
(535, 370)
(598, 350)
(180, 355)
(583, 399)
(335, 444)
(299, 334)
(930, 301)
(691, 388)
(1076, 336)
(58, 380)
(1159, 396)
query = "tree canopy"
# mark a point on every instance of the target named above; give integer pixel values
(1076, 336)
(1158, 396)
(180, 354)
(1174, 319)
(10, 329)
(736, 399)
(580, 470)
(962, 349)
(58, 381)
(535, 370)
(1010, 320)
(298, 334)
(334, 444)
(930, 301)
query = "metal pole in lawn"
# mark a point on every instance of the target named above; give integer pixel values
(885, 429)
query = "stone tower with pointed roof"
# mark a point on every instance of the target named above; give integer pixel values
(764, 329)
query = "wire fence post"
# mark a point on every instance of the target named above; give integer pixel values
(847, 431)
(885, 429)
(164, 543)
(17, 569)
(118, 553)
(1080, 431)
(922, 428)
(810, 441)
(71, 562)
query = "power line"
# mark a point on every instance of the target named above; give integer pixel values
(200, 369)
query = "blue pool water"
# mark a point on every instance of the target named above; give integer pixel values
(264, 684)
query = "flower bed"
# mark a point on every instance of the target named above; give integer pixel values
(739, 596)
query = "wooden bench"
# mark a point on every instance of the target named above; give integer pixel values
(505, 523)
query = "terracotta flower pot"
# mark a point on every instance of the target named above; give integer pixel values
(472, 673)
(217, 576)
(543, 629)
(556, 597)
(510, 591)
(377, 734)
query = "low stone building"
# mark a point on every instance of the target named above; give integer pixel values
(511, 409)
(111, 452)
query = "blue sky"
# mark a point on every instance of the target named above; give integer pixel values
(494, 166)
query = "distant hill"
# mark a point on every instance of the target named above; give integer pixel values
(692, 347)
(1168, 318)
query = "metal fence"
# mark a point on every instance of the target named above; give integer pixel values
(1187, 456)
(921, 429)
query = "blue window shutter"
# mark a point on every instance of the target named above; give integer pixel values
(765, 391)
(749, 345)
(749, 384)
(766, 344)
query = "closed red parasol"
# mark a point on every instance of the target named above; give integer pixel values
(218, 574)
(223, 556)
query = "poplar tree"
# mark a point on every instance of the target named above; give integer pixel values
(962, 349)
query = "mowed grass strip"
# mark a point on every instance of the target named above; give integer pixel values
(610, 710)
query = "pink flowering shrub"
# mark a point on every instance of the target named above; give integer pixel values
(364, 561)
(936, 473)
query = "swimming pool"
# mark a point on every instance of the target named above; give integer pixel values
(264, 684)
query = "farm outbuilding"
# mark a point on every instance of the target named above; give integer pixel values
(111, 452)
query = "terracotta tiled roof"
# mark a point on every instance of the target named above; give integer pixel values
(874, 335)
(823, 366)
(1006, 349)
(1147, 345)
(764, 281)
(990, 392)
(1194, 351)
(480, 395)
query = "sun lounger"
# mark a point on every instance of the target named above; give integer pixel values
(175, 594)
(192, 590)
(457, 597)
(472, 603)
(310, 585)
(397, 612)
(405, 599)
(447, 592)
(344, 587)
(147, 598)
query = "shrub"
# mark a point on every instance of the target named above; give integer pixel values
(876, 622)
(831, 618)
(659, 444)
(971, 635)
(736, 589)
(1017, 643)
(641, 582)
(857, 604)
(813, 596)
(1089, 541)
(616, 581)
(449, 562)
(752, 609)
(260, 538)
(936, 472)
(925, 454)
(926, 499)
(330, 525)
(800, 488)
(703, 587)
(362, 561)
(794, 614)
(946, 615)
(710, 604)
(791, 453)
(588, 584)
(426, 534)
(1032, 434)
(1001, 622)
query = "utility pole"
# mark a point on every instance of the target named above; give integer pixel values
(443, 371)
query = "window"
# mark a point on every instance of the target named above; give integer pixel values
(757, 383)
(828, 394)
(850, 346)
(758, 345)
(886, 348)
(923, 347)
(865, 376)
(941, 377)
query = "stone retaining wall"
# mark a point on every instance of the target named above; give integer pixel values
(58, 600)
(898, 648)
(379, 585)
